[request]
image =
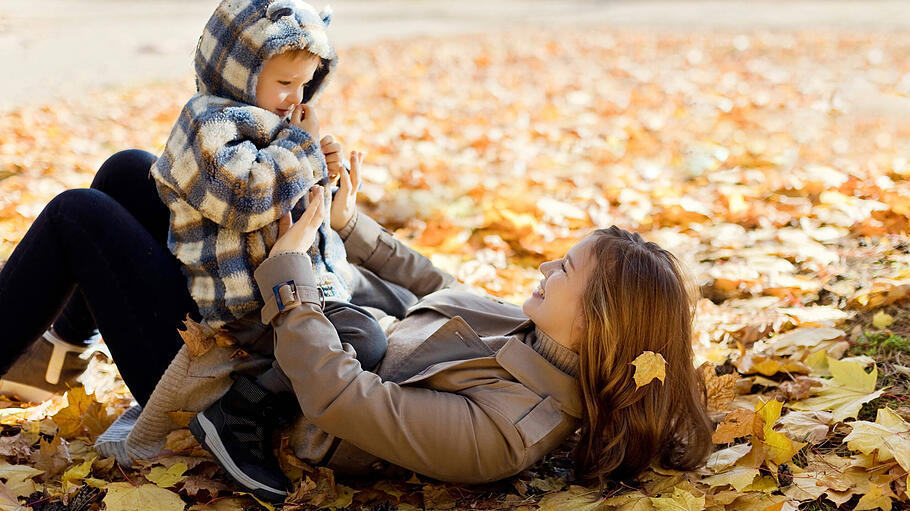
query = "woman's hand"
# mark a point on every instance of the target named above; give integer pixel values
(300, 236)
(344, 204)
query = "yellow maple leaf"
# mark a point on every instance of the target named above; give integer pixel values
(738, 478)
(780, 448)
(889, 435)
(845, 393)
(82, 415)
(680, 501)
(649, 365)
(878, 497)
(126, 497)
(75, 474)
(166, 478)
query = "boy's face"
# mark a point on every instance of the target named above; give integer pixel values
(281, 81)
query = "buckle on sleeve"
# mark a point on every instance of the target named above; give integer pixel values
(286, 295)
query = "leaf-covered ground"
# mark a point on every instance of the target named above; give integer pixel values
(775, 164)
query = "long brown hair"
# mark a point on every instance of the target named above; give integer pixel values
(638, 299)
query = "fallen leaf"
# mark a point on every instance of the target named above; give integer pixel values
(9, 502)
(809, 427)
(548, 485)
(879, 496)
(680, 501)
(16, 446)
(649, 365)
(738, 478)
(720, 389)
(199, 338)
(194, 485)
(180, 440)
(845, 393)
(126, 497)
(738, 423)
(889, 436)
(438, 496)
(723, 459)
(882, 320)
(577, 498)
(52, 457)
(167, 477)
(75, 475)
(181, 419)
(18, 478)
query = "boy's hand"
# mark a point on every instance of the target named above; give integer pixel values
(304, 117)
(344, 204)
(332, 151)
(300, 236)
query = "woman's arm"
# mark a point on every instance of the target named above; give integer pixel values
(242, 167)
(440, 434)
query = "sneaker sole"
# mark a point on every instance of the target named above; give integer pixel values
(24, 391)
(207, 434)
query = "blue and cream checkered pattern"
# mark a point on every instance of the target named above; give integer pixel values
(230, 170)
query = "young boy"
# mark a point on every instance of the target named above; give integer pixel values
(243, 154)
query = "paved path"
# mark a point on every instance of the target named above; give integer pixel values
(67, 46)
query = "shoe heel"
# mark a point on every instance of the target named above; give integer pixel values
(198, 432)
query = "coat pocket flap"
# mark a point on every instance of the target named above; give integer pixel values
(540, 421)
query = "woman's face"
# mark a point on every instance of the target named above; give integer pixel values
(555, 306)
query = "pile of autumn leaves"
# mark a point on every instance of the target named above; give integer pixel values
(774, 164)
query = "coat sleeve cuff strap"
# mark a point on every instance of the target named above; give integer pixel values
(288, 295)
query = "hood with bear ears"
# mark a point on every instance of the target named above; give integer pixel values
(242, 34)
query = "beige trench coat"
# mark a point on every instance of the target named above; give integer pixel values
(471, 402)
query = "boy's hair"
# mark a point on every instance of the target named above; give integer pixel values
(297, 53)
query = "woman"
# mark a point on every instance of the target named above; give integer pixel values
(472, 389)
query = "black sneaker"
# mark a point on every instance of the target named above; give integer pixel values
(237, 430)
(49, 366)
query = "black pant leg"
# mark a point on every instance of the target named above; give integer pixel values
(126, 178)
(133, 286)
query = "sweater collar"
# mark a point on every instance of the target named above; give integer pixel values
(557, 354)
(563, 358)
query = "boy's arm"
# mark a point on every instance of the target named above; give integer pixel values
(250, 176)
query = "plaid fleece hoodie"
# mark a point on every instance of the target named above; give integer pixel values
(230, 170)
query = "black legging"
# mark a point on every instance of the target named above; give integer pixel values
(101, 253)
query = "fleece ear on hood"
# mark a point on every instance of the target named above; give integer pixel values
(242, 34)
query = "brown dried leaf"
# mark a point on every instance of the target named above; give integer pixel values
(16, 446)
(739, 423)
(194, 485)
(181, 440)
(198, 338)
(720, 389)
(180, 418)
(52, 457)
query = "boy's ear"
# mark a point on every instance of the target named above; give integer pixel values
(326, 15)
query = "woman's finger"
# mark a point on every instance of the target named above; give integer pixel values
(356, 160)
(314, 205)
(284, 224)
(344, 183)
